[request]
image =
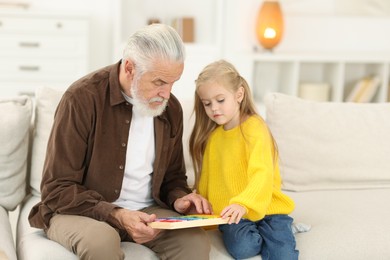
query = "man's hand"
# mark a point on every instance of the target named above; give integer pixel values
(135, 223)
(193, 204)
(234, 212)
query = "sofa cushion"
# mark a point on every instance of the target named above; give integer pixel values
(345, 224)
(47, 100)
(15, 121)
(325, 145)
(7, 248)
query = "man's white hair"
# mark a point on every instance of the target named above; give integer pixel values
(154, 42)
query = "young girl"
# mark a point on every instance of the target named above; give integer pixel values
(236, 167)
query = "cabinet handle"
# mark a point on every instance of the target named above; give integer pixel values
(28, 68)
(29, 44)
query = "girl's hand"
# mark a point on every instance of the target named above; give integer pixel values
(234, 212)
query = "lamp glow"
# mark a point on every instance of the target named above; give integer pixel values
(269, 25)
(269, 33)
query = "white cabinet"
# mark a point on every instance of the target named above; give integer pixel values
(41, 49)
(288, 73)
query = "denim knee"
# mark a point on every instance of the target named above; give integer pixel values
(241, 240)
(279, 241)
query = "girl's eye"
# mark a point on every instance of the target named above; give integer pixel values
(206, 104)
(221, 100)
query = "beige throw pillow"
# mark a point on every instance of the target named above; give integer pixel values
(326, 145)
(15, 118)
(47, 100)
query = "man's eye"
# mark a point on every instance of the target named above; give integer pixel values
(159, 83)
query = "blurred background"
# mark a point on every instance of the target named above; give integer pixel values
(326, 45)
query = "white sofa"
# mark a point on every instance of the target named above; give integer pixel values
(333, 161)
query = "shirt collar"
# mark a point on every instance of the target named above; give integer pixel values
(116, 96)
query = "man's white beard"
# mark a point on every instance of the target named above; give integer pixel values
(142, 105)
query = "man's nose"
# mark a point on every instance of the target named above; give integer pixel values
(166, 91)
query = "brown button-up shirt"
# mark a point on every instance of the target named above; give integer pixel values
(85, 158)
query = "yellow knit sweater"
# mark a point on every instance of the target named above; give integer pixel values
(238, 167)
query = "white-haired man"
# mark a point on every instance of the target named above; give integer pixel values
(114, 159)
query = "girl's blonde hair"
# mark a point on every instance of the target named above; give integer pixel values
(225, 74)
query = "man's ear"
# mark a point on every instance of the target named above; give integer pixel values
(129, 69)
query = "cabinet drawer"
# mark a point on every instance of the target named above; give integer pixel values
(41, 69)
(12, 45)
(31, 25)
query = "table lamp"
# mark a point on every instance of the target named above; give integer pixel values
(269, 24)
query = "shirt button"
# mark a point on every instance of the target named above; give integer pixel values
(127, 121)
(116, 191)
(121, 167)
(127, 103)
(123, 144)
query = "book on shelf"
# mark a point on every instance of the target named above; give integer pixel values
(188, 221)
(185, 26)
(364, 90)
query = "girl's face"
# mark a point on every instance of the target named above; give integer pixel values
(221, 105)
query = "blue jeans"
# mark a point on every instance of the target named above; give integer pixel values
(271, 237)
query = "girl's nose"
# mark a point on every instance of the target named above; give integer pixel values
(214, 107)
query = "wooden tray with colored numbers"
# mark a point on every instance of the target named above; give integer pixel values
(188, 221)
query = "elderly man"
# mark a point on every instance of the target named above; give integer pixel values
(114, 159)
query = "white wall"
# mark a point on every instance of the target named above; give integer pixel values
(356, 28)
(356, 16)
(314, 25)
